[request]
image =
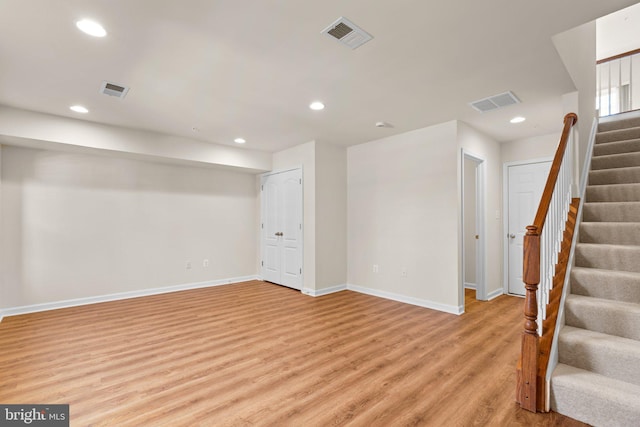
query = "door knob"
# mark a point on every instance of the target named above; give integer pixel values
(279, 233)
(513, 236)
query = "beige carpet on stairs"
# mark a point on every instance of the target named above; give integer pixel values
(597, 380)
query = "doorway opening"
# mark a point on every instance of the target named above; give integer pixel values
(473, 227)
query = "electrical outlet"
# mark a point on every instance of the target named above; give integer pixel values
(376, 268)
(188, 265)
(205, 263)
(404, 273)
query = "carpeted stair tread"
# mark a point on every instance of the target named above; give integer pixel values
(594, 399)
(618, 135)
(615, 176)
(606, 284)
(617, 318)
(614, 161)
(627, 146)
(611, 211)
(608, 257)
(613, 193)
(619, 124)
(608, 355)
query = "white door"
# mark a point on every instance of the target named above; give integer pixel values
(525, 187)
(282, 228)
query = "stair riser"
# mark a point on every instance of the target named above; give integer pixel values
(615, 161)
(616, 147)
(619, 233)
(619, 124)
(614, 176)
(609, 212)
(603, 287)
(618, 135)
(608, 321)
(613, 193)
(603, 360)
(620, 258)
(590, 408)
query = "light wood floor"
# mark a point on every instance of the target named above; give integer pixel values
(260, 354)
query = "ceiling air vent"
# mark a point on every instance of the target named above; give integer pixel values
(113, 89)
(347, 33)
(495, 102)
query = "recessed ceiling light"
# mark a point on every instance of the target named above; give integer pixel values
(239, 141)
(91, 27)
(316, 105)
(383, 125)
(79, 109)
(518, 119)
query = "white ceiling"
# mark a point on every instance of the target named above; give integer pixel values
(250, 68)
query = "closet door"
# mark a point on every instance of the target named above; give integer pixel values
(282, 228)
(526, 185)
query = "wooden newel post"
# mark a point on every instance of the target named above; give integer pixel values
(531, 278)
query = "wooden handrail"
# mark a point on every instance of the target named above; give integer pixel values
(541, 215)
(530, 386)
(618, 56)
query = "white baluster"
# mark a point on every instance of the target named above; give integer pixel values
(552, 232)
(631, 82)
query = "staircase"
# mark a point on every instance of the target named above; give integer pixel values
(597, 379)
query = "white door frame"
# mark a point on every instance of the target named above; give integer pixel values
(505, 216)
(481, 290)
(279, 171)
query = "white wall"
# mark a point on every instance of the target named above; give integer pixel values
(536, 147)
(77, 225)
(331, 216)
(304, 156)
(480, 145)
(325, 210)
(402, 209)
(3, 294)
(618, 32)
(577, 48)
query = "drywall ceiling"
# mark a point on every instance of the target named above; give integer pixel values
(618, 32)
(235, 68)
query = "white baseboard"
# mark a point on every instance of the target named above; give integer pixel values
(324, 291)
(408, 300)
(495, 294)
(469, 285)
(14, 311)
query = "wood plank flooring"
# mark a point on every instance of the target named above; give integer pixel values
(260, 354)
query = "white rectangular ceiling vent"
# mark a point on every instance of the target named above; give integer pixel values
(494, 102)
(347, 33)
(113, 89)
